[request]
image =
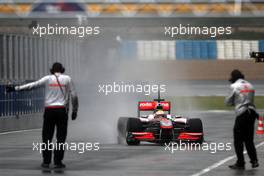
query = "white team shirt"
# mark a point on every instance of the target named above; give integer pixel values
(53, 93)
(241, 96)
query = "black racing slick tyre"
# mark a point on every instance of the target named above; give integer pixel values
(125, 126)
(122, 130)
(196, 126)
(133, 125)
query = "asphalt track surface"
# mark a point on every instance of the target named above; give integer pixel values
(18, 158)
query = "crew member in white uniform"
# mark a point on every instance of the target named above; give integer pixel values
(242, 98)
(59, 89)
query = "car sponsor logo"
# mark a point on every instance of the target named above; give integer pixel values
(151, 105)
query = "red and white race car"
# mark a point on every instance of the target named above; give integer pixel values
(158, 127)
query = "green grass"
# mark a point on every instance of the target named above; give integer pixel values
(206, 102)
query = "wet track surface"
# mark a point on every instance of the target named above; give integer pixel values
(18, 158)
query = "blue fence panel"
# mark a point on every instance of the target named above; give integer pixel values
(204, 50)
(4, 101)
(196, 49)
(1, 100)
(22, 102)
(9, 98)
(179, 47)
(212, 50)
(188, 50)
(261, 45)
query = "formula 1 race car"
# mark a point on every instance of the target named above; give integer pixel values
(158, 127)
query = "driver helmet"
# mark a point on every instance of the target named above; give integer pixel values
(159, 109)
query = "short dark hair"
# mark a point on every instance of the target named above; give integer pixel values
(57, 68)
(235, 75)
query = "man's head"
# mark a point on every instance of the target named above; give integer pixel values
(235, 75)
(57, 68)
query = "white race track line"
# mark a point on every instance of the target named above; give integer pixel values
(221, 162)
(20, 131)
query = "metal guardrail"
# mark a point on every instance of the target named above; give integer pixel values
(25, 57)
(22, 102)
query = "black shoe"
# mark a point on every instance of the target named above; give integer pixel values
(237, 167)
(59, 166)
(254, 164)
(45, 166)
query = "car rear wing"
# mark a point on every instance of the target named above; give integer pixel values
(151, 106)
